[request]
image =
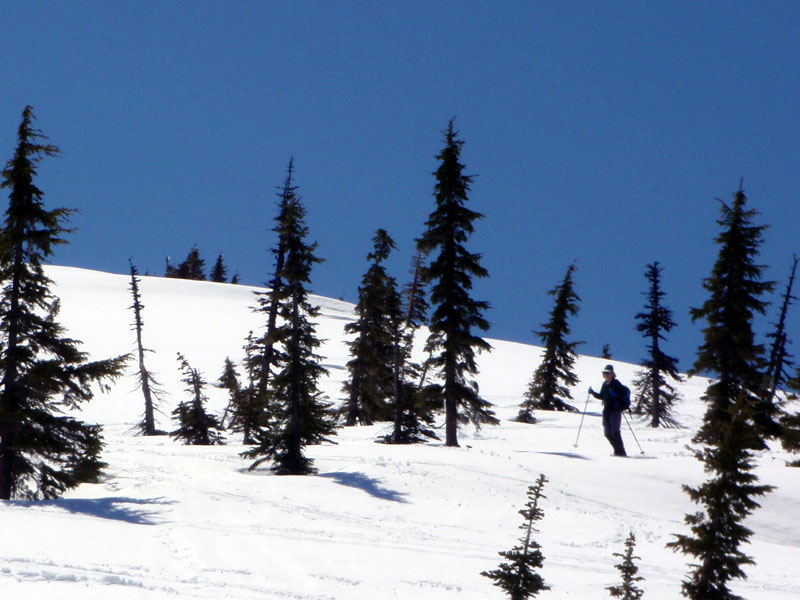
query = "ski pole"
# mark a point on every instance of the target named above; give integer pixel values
(633, 434)
(575, 445)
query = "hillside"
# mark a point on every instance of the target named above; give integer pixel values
(378, 522)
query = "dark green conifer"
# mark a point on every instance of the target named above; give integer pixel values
(452, 341)
(43, 374)
(550, 384)
(299, 415)
(219, 273)
(627, 590)
(263, 349)
(655, 396)
(371, 384)
(191, 268)
(413, 410)
(229, 381)
(196, 427)
(517, 577)
(246, 409)
(735, 422)
(729, 352)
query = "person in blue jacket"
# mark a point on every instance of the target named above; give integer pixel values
(612, 393)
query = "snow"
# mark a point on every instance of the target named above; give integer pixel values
(378, 521)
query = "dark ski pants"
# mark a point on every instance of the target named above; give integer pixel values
(612, 422)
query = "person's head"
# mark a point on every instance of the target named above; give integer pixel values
(608, 372)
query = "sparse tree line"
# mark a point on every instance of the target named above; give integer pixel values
(275, 402)
(194, 267)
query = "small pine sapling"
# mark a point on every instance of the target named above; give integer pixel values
(196, 426)
(517, 577)
(627, 590)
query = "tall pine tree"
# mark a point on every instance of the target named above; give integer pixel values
(550, 384)
(300, 416)
(452, 341)
(734, 423)
(43, 452)
(264, 349)
(655, 395)
(729, 352)
(371, 385)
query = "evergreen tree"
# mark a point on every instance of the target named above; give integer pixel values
(779, 358)
(627, 590)
(191, 268)
(452, 342)
(247, 408)
(269, 303)
(555, 373)
(655, 396)
(729, 351)
(413, 411)
(43, 452)
(371, 384)
(145, 380)
(229, 380)
(734, 423)
(195, 426)
(299, 416)
(777, 375)
(517, 577)
(220, 272)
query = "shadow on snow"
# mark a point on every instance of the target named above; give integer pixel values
(367, 484)
(116, 509)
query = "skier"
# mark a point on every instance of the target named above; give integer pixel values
(614, 397)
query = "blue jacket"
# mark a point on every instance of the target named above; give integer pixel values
(611, 394)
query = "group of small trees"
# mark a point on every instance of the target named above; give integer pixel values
(553, 378)
(518, 577)
(194, 267)
(385, 384)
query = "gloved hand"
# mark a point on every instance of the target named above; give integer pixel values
(591, 391)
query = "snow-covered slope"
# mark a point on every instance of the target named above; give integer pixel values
(378, 522)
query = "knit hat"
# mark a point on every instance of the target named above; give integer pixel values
(608, 369)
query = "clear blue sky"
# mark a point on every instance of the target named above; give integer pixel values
(599, 132)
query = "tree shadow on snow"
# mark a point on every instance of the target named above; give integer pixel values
(367, 484)
(117, 509)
